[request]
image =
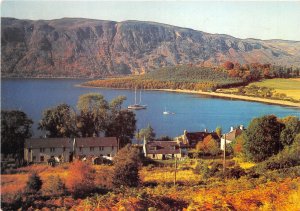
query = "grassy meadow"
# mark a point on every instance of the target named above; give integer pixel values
(290, 86)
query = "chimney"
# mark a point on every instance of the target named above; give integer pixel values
(242, 127)
(145, 146)
(184, 132)
(231, 129)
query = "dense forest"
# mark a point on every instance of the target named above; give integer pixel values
(199, 77)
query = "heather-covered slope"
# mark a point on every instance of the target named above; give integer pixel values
(94, 48)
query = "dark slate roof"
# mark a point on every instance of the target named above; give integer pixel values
(48, 142)
(68, 142)
(233, 134)
(96, 142)
(162, 147)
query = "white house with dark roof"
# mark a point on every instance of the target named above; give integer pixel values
(38, 150)
(162, 150)
(231, 135)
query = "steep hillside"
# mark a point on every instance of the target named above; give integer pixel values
(94, 48)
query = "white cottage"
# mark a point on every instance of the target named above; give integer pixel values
(39, 150)
(231, 135)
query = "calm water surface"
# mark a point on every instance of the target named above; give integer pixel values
(192, 112)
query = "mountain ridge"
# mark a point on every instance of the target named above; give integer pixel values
(80, 47)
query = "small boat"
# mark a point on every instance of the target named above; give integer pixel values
(167, 112)
(137, 106)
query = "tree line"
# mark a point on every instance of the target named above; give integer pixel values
(199, 77)
(255, 71)
(178, 77)
(94, 117)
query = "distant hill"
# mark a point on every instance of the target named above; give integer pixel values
(75, 47)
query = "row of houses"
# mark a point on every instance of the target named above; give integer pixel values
(66, 149)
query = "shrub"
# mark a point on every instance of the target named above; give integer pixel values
(34, 183)
(104, 177)
(126, 168)
(11, 201)
(54, 186)
(200, 168)
(81, 178)
(287, 158)
(215, 170)
(235, 172)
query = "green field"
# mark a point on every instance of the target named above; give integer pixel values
(290, 87)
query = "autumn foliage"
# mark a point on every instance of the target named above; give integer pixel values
(81, 178)
(126, 168)
(208, 146)
(54, 186)
(228, 65)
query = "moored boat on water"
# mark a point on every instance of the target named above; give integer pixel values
(137, 106)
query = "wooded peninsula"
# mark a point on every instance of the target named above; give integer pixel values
(227, 81)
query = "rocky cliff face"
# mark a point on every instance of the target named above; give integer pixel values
(95, 48)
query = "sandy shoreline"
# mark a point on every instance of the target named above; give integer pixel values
(220, 95)
(238, 97)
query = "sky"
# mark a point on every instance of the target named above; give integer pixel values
(242, 19)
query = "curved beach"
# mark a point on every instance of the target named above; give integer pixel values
(216, 94)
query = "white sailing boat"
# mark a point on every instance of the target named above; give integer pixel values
(167, 112)
(137, 106)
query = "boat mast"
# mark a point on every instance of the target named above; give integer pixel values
(135, 96)
(140, 96)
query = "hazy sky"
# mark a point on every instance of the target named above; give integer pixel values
(262, 20)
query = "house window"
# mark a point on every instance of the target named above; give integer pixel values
(91, 149)
(152, 148)
(64, 149)
(153, 155)
(33, 158)
(112, 148)
(42, 149)
(101, 148)
(52, 149)
(42, 159)
(80, 149)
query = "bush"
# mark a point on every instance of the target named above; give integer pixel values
(81, 178)
(126, 168)
(215, 170)
(289, 157)
(104, 178)
(34, 183)
(235, 172)
(200, 168)
(54, 186)
(11, 201)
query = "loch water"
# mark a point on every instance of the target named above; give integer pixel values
(191, 112)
